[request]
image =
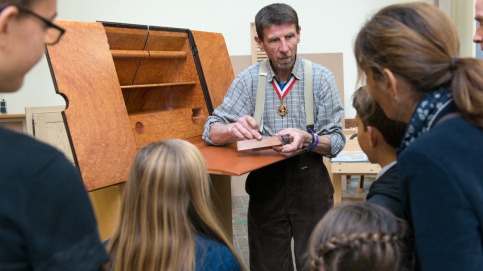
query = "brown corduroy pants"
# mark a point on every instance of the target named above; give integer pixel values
(287, 199)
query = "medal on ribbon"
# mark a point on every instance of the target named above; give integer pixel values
(282, 91)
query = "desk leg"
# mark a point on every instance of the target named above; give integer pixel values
(222, 200)
(336, 181)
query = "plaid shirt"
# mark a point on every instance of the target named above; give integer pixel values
(241, 98)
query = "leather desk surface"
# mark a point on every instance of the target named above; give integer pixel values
(226, 160)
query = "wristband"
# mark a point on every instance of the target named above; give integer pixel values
(311, 144)
(316, 142)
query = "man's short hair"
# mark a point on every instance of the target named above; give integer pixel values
(372, 114)
(275, 14)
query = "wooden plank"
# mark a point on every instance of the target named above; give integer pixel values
(337, 183)
(97, 120)
(12, 116)
(190, 84)
(147, 54)
(251, 144)
(356, 168)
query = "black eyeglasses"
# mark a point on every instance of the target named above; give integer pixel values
(53, 33)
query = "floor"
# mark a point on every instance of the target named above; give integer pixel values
(239, 214)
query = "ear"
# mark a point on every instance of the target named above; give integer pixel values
(390, 82)
(259, 42)
(7, 17)
(372, 136)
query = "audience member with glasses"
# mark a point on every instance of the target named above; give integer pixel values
(46, 220)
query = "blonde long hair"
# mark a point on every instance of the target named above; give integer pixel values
(166, 202)
(419, 43)
(358, 236)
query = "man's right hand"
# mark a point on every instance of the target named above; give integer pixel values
(245, 128)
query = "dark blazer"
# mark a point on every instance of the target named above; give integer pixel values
(440, 176)
(385, 192)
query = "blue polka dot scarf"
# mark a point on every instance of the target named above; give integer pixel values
(432, 106)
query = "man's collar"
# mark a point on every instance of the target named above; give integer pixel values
(296, 70)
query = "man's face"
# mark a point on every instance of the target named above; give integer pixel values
(478, 38)
(280, 44)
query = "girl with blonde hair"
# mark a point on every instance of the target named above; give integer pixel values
(358, 236)
(408, 55)
(166, 220)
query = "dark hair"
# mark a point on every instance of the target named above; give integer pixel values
(419, 44)
(371, 114)
(358, 236)
(277, 14)
(22, 3)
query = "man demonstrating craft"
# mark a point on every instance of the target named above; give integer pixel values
(271, 98)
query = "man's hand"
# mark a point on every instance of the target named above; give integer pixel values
(299, 139)
(245, 128)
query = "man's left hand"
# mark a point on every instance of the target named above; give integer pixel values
(298, 138)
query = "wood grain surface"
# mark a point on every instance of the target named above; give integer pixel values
(97, 120)
(253, 144)
(216, 64)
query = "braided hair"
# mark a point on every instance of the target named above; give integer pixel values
(358, 236)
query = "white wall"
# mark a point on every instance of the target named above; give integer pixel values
(463, 17)
(327, 26)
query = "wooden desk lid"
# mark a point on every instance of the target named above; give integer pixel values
(96, 118)
(216, 64)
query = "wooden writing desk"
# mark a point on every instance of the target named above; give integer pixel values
(130, 85)
(338, 169)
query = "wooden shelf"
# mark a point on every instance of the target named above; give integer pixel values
(176, 110)
(12, 116)
(159, 85)
(148, 54)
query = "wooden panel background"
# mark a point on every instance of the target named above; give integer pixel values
(96, 117)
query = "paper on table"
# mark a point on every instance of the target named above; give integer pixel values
(356, 156)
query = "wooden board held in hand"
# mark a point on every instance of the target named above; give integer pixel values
(252, 144)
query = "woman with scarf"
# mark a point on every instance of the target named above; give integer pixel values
(408, 55)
